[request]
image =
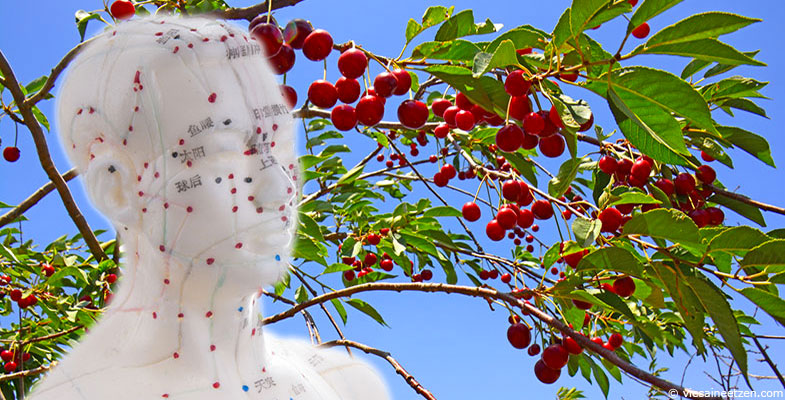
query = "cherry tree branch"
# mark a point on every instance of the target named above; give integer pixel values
(769, 361)
(29, 372)
(492, 294)
(250, 12)
(46, 160)
(33, 199)
(417, 386)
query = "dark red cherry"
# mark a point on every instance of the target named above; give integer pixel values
(296, 31)
(348, 89)
(385, 83)
(509, 138)
(352, 63)
(370, 110)
(289, 95)
(404, 82)
(344, 117)
(269, 37)
(413, 114)
(318, 45)
(283, 60)
(519, 107)
(322, 94)
(439, 105)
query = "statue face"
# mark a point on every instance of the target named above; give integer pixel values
(190, 110)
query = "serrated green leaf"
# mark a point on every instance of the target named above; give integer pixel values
(715, 303)
(454, 50)
(586, 231)
(608, 13)
(770, 303)
(648, 10)
(693, 67)
(635, 198)
(301, 295)
(612, 259)
(521, 37)
(733, 87)
(413, 28)
(738, 240)
(462, 24)
(745, 210)
(769, 255)
(442, 211)
(503, 56)
(703, 49)
(367, 309)
(752, 143)
(670, 225)
(700, 26)
(351, 175)
(82, 18)
(307, 249)
(567, 172)
(436, 15)
(601, 378)
(340, 309)
(562, 31)
(582, 11)
(722, 68)
(40, 117)
(744, 105)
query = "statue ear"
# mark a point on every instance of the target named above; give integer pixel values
(110, 182)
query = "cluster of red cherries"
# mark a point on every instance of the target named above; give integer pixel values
(13, 359)
(365, 266)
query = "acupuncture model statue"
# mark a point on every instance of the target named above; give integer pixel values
(184, 143)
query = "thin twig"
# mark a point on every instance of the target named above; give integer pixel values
(250, 12)
(768, 361)
(417, 386)
(34, 198)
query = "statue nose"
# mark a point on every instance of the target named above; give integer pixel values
(274, 188)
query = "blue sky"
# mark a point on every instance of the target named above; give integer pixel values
(454, 346)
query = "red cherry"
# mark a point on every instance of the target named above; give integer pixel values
(519, 107)
(507, 218)
(641, 31)
(317, 45)
(552, 146)
(580, 304)
(283, 61)
(7, 355)
(511, 190)
(542, 209)
(572, 346)
(344, 118)
(519, 336)
(684, 183)
(570, 77)
(348, 89)
(463, 102)
(616, 340)
(597, 340)
(385, 83)
(441, 130)
(11, 153)
(533, 123)
(440, 180)
(122, 9)
(666, 185)
(386, 265)
(295, 32)
(553, 116)
(587, 125)
(494, 230)
(573, 259)
(623, 167)
(516, 84)
(427, 275)
(506, 278)
(369, 260)
(529, 141)
(700, 217)
(413, 114)
(449, 171)
(439, 105)
(261, 19)
(404, 82)
(611, 219)
(449, 115)
(370, 110)
(111, 278)
(464, 120)
(352, 63)
(706, 174)
(269, 37)
(509, 138)
(525, 218)
(373, 239)
(549, 127)
(48, 270)
(11, 366)
(471, 211)
(348, 275)
(16, 295)
(706, 156)
(716, 216)
(624, 287)
(555, 356)
(608, 164)
(289, 95)
(534, 350)
(641, 169)
(633, 2)
(322, 94)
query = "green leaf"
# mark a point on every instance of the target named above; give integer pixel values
(442, 211)
(635, 198)
(582, 11)
(689, 307)
(351, 175)
(35, 85)
(612, 259)
(307, 249)
(436, 15)
(704, 49)
(733, 87)
(601, 378)
(693, 67)
(707, 25)
(648, 10)
(770, 303)
(608, 13)
(301, 295)
(454, 50)
(521, 37)
(503, 56)
(567, 172)
(40, 117)
(744, 105)
(462, 24)
(715, 303)
(745, 210)
(562, 31)
(413, 28)
(573, 113)
(82, 18)
(650, 129)
(722, 68)
(340, 309)
(738, 240)
(753, 144)
(767, 255)
(367, 309)
(586, 231)
(666, 224)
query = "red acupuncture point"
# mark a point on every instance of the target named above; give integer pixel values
(210, 261)
(238, 245)
(176, 355)
(212, 97)
(209, 314)
(216, 385)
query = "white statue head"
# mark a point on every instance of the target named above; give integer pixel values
(181, 134)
